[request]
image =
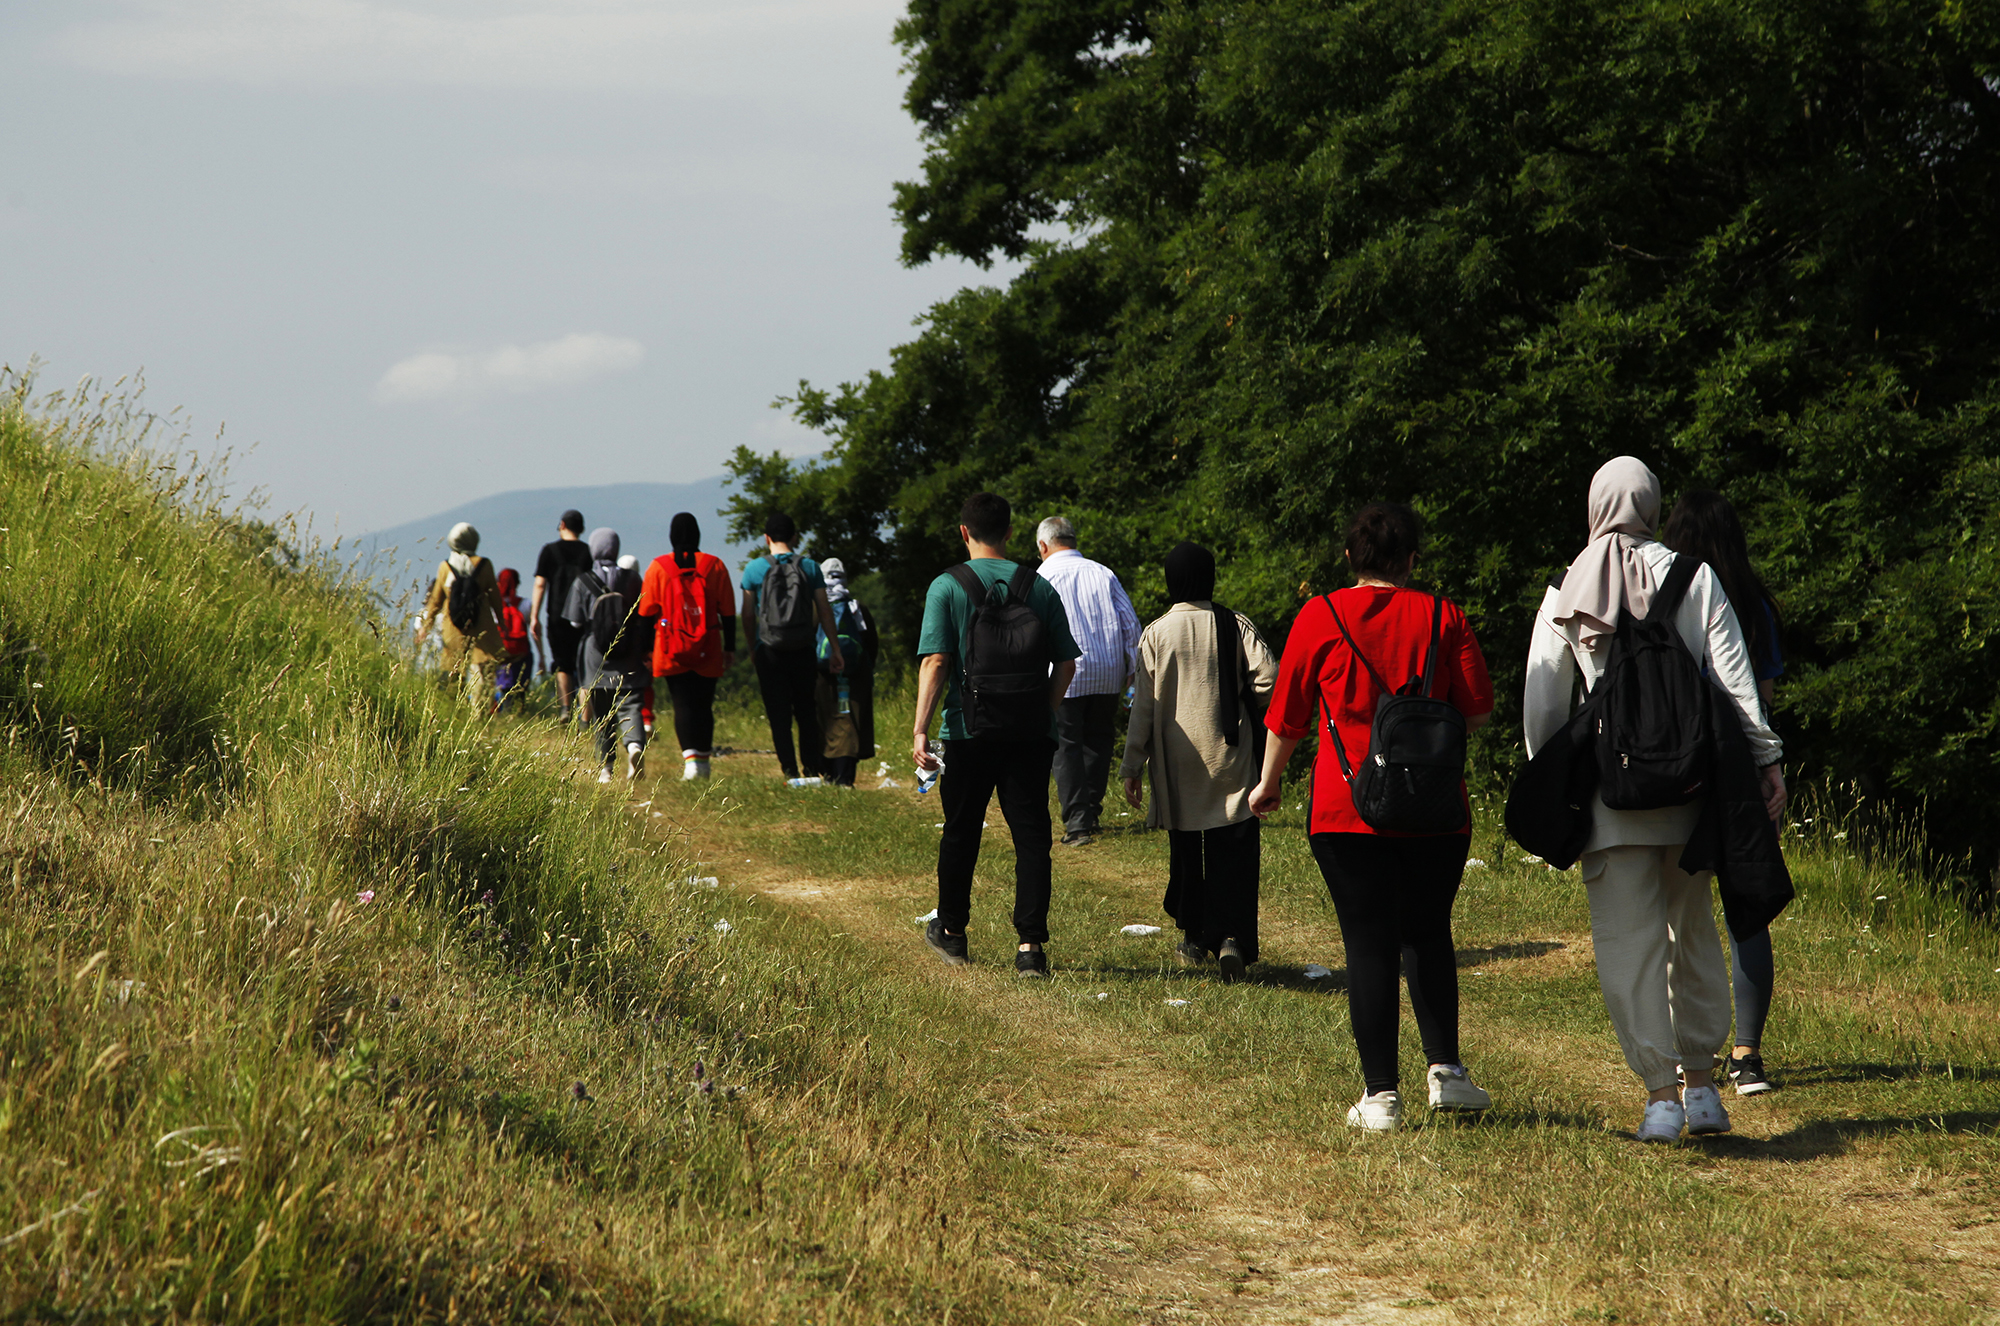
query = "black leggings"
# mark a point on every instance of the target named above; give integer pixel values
(1755, 973)
(1393, 897)
(694, 710)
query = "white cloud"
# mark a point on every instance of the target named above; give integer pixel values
(701, 46)
(458, 375)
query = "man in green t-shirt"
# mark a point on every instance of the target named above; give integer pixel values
(1013, 762)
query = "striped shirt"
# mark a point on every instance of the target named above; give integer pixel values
(1100, 618)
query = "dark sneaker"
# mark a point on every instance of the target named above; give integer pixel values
(949, 947)
(1190, 953)
(1230, 959)
(1031, 962)
(1748, 1075)
(1078, 838)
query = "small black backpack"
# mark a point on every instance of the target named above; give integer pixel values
(463, 602)
(609, 607)
(1003, 659)
(786, 616)
(1411, 780)
(1652, 719)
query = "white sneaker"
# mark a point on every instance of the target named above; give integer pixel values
(1705, 1115)
(1663, 1122)
(604, 774)
(635, 761)
(1379, 1113)
(1452, 1089)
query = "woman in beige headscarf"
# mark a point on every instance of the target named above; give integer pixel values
(1659, 961)
(472, 651)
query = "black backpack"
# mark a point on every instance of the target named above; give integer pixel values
(464, 603)
(1652, 713)
(609, 607)
(786, 619)
(1003, 659)
(1412, 778)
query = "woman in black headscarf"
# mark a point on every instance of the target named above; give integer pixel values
(1196, 727)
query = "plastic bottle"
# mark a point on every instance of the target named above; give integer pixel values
(928, 778)
(812, 780)
(841, 690)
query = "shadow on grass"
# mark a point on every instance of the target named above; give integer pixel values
(1803, 1075)
(1531, 948)
(1832, 1137)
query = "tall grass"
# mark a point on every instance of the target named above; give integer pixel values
(323, 998)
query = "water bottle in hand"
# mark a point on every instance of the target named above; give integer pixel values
(928, 778)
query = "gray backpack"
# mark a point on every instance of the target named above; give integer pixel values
(786, 619)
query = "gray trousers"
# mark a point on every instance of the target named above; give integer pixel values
(615, 713)
(1084, 733)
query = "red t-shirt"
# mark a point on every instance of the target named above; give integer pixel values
(1392, 629)
(659, 598)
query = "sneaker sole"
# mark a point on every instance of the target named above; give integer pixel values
(1444, 1107)
(948, 958)
(1753, 1088)
(1232, 966)
(1659, 1139)
(1355, 1121)
(1037, 975)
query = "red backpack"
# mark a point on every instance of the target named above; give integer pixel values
(684, 625)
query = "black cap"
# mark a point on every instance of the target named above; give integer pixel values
(572, 520)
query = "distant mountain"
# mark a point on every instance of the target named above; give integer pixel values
(514, 526)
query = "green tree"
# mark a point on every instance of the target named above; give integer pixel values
(1282, 258)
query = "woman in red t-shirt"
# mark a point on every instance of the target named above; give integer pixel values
(1393, 892)
(694, 643)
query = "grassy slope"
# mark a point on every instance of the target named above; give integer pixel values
(229, 1089)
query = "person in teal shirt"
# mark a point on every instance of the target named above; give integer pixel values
(1014, 765)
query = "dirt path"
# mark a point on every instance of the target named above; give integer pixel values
(1202, 1219)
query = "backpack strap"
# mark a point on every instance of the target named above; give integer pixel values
(1023, 582)
(1333, 733)
(977, 591)
(1437, 633)
(1667, 599)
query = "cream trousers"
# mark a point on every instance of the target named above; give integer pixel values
(1660, 962)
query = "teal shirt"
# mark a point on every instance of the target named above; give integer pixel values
(755, 574)
(947, 608)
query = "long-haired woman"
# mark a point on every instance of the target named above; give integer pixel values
(1393, 893)
(1704, 525)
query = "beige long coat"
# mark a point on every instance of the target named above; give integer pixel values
(483, 646)
(1197, 781)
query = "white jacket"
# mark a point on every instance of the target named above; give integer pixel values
(1708, 627)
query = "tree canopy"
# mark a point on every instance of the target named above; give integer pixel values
(1278, 258)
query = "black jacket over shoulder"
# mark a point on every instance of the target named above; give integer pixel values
(1735, 836)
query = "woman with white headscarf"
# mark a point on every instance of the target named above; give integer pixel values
(473, 650)
(1659, 961)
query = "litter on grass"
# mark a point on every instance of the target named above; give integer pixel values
(704, 882)
(927, 917)
(1102, 994)
(1474, 863)
(1175, 1003)
(1315, 972)
(723, 927)
(887, 784)
(1140, 930)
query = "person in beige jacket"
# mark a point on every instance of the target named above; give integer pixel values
(1197, 728)
(471, 658)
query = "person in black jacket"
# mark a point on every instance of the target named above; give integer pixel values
(1704, 525)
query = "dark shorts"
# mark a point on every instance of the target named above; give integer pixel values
(564, 641)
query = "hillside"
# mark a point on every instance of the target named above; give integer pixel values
(323, 1001)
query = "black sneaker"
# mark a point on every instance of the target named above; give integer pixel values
(1748, 1075)
(1190, 953)
(1230, 959)
(1078, 838)
(1031, 962)
(949, 947)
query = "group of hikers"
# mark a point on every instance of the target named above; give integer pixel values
(1022, 667)
(611, 635)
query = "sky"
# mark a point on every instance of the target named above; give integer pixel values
(408, 253)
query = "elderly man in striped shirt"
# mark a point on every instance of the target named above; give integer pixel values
(1107, 630)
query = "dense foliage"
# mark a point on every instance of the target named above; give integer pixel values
(1280, 257)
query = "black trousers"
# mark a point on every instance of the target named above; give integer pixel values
(694, 710)
(1084, 733)
(973, 771)
(1212, 878)
(787, 678)
(1394, 897)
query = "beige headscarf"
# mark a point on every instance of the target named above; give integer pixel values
(463, 542)
(1609, 573)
